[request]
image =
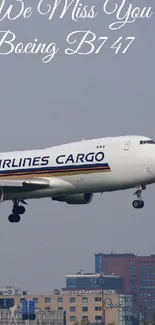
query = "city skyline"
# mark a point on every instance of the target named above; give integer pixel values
(84, 271)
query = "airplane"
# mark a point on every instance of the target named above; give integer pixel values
(73, 172)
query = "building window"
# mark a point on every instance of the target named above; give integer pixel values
(71, 283)
(60, 308)
(72, 299)
(98, 317)
(85, 317)
(133, 275)
(35, 300)
(84, 299)
(72, 309)
(47, 300)
(133, 289)
(59, 300)
(98, 308)
(133, 269)
(84, 308)
(97, 298)
(6, 303)
(48, 309)
(133, 281)
(149, 268)
(22, 299)
(93, 281)
(72, 318)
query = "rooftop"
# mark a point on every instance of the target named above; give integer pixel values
(92, 275)
(125, 255)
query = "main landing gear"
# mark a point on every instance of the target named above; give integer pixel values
(139, 203)
(16, 211)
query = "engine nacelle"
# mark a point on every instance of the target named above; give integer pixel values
(83, 198)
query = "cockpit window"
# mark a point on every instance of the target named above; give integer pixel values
(147, 141)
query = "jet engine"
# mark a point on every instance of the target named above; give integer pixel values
(83, 198)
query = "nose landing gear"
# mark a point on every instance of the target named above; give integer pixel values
(16, 211)
(139, 203)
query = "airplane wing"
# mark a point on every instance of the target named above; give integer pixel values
(26, 184)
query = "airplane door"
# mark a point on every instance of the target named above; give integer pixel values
(127, 146)
(127, 151)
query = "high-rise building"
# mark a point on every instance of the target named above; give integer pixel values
(138, 273)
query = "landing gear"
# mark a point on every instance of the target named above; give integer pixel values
(16, 211)
(139, 203)
(14, 218)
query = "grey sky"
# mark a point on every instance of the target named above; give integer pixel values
(74, 97)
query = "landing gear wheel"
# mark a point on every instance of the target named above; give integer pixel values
(21, 209)
(18, 209)
(141, 204)
(17, 218)
(14, 218)
(137, 204)
(11, 218)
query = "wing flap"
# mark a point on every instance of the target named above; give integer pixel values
(35, 183)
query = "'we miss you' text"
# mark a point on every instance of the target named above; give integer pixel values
(79, 42)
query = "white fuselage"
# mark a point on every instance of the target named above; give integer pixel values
(92, 166)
